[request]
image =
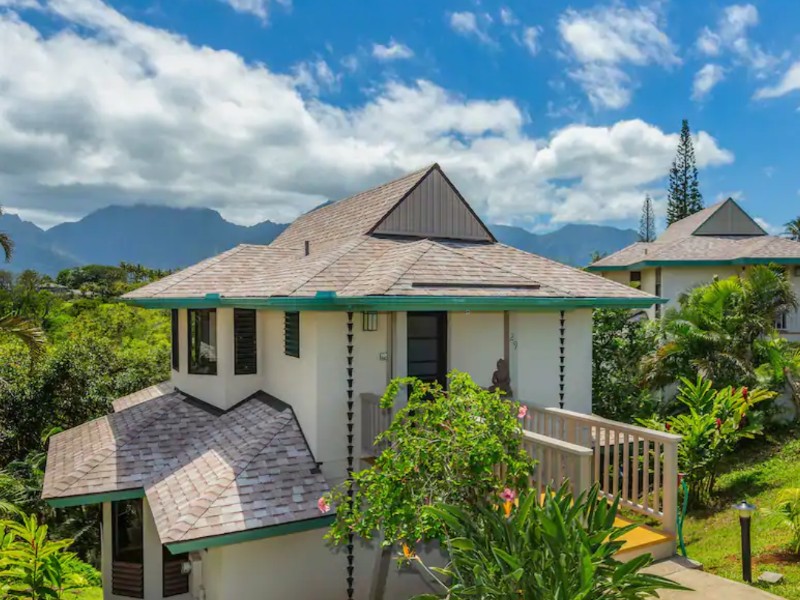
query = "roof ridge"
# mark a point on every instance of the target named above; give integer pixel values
(499, 268)
(250, 456)
(337, 253)
(407, 250)
(414, 252)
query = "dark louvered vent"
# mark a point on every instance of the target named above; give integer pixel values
(175, 582)
(244, 341)
(175, 349)
(291, 334)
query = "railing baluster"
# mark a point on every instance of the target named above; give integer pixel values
(657, 476)
(625, 466)
(646, 476)
(636, 464)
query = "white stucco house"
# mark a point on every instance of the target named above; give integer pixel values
(719, 241)
(209, 482)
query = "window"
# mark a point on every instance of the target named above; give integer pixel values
(244, 342)
(781, 322)
(427, 346)
(174, 581)
(127, 570)
(797, 271)
(203, 341)
(636, 279)
(291, 334)
(176, 355)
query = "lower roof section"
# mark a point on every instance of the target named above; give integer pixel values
(207, 476)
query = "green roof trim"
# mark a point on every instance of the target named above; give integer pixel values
(644, 264)
(398, 303)
(69, 501)
(251, 535)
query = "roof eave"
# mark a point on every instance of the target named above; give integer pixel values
(98, 498)
(402, 303)
(694, 263)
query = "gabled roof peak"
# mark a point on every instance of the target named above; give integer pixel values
(723, 219)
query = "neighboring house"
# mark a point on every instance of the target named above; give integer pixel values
(278, 353)
(719, 241)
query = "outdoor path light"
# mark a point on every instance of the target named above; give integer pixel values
(745, 510)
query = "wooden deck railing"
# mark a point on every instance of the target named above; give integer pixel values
(557, 461)
(639, 464)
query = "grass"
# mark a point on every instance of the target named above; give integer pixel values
(94, 593)
(756, 473)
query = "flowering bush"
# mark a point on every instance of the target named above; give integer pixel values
(460, 446)
(715, 422)
(562, 549)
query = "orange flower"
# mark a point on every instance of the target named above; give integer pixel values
(408, 552)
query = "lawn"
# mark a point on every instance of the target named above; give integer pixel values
(94, 593)
(757, 473)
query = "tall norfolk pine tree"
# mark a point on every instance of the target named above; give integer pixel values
(647, 223)
(683, 197)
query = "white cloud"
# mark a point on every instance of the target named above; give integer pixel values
(731, 35)
(315, 76)
(259, 8)
(468, 24)
(602, 41)
(530, 39)
(769, 228)
(790, 82)
(104, 110)
(507, 17)
(705, 80)
(391, 51)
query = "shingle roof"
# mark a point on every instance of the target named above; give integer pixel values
(681, 243)
(204, 473)
(347, 259)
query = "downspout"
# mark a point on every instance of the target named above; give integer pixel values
(562, 358)
(350, 423)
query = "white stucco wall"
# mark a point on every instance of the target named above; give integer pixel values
(475, 343)
(535, 358)
(153, 562)
(677, 280)
(301, 566)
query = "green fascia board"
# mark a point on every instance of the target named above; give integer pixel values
(401, 303)
(69, 501)
(251, 535)
(734, 262)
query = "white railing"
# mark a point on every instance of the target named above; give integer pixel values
(374, 420)
(639, 464)
(557, 461)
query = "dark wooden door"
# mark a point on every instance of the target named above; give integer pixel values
(427, 346)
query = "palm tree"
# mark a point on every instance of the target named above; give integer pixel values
(793, 229)
(19, 327)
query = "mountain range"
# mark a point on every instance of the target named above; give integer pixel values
(169, 238)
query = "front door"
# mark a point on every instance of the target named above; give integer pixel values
(427, 346)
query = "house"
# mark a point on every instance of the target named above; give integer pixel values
(719, 241)
(209, 482)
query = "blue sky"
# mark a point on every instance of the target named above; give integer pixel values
(543, 113)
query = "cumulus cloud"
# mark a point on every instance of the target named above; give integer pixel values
(101, 109)
(602, 41)
(259, 8)
(789, 82)
(469, 24)
(731, 35)
(705, 80)
(391, 51)
(530, 39)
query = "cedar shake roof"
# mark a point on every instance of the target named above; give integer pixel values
(352, 255)
(688, 241)
(204, 472)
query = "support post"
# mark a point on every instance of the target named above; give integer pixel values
(670, 487)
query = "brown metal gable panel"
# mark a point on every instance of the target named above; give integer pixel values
(730, 219)
(433, 208)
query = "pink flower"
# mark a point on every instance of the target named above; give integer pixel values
(668, 426)
(745, 393)
(523, 410)
(719, 424)
(322, 505)
(508, 495)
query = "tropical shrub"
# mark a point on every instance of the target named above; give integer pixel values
(788, 508)
(443, 447)
(561, 550)
(35, 567)
(714, 422)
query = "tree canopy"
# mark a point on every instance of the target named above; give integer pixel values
(683, 195)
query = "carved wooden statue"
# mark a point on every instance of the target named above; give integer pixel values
(501, 378)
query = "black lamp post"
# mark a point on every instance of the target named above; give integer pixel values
(745, 510)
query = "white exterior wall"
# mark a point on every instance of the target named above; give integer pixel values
(153, 562)
(677, 280)
(301, 566)
(475, 343)
(623, 277)
(535, 358)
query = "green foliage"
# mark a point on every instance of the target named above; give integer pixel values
(683, 195)
(35, 567)
(716, 421)
(793, 229)
(443, 446)
(618, 344)
(108, 281)
(561, 550)
(718, 328)
(789, 509)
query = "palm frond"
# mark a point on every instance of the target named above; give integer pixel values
(7, 245)
(28, 333)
